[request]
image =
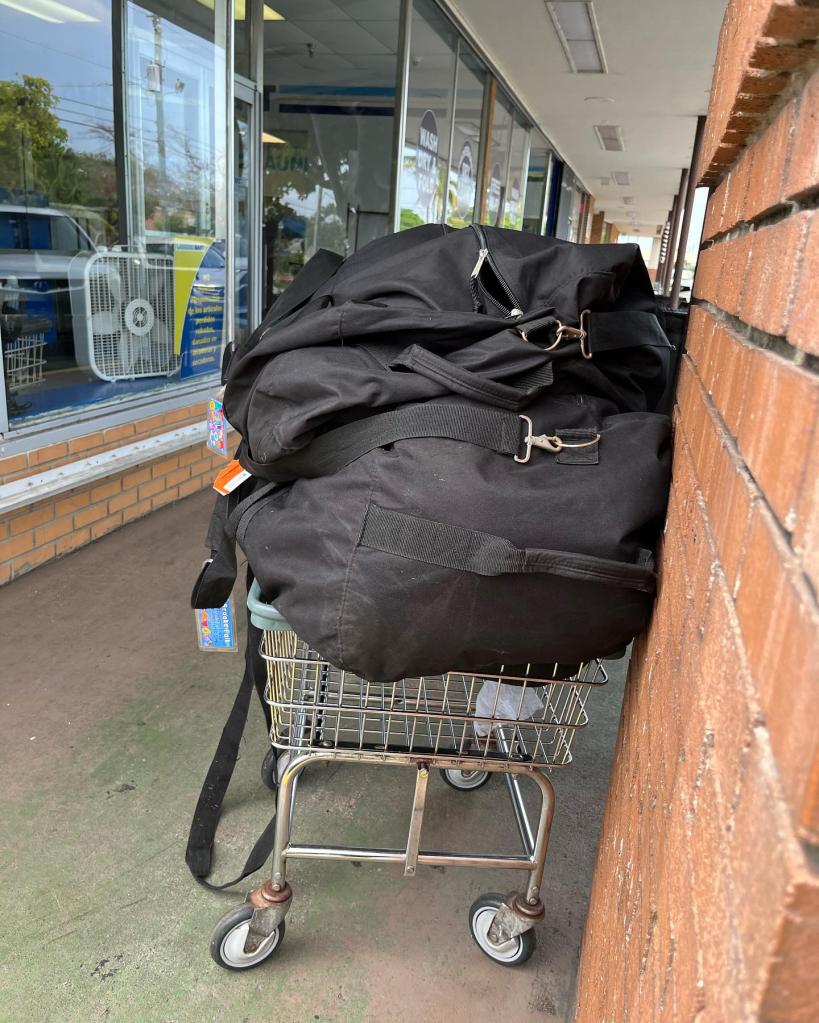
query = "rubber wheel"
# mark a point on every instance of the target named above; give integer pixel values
(510, 953)
(269, 776)
(465, 781)
(228, 941)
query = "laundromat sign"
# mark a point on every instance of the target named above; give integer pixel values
(426, 158)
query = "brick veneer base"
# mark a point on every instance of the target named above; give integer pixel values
(52, 527)
(705, 901)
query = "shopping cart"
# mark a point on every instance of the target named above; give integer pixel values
(466, 725)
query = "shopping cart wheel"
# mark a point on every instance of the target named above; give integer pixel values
(464, 780)
(509, 953)
(269, 776)
(227, 942)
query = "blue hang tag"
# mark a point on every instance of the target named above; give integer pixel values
(217, 428)
(216, 628)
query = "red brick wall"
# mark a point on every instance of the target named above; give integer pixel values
(52, 527)
(705, 902)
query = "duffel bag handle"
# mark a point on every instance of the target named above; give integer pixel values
(448, 546)
(464, 381)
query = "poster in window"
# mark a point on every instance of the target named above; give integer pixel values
(426, 159)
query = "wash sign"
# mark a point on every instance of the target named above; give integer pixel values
(199, 305)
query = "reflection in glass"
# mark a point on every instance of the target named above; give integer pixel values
(329, 97)
(516, 182)
(176, 140)
(538, 185)
(426, 145)
(466, 139)
(58, 192)
(500, 127)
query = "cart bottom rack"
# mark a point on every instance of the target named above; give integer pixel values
(467, 726)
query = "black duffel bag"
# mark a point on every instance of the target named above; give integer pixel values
(456, 459)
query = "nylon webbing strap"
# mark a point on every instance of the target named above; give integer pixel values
(199, 851)
(610, 332)
(488, 428)
(439, 543)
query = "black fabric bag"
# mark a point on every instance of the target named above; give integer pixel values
(457, 459)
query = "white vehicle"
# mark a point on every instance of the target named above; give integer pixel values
(37, 243)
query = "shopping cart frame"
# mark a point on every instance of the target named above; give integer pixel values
(246, 936)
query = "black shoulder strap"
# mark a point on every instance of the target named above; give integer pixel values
(487, 427)
(199, 852)
(214, 584)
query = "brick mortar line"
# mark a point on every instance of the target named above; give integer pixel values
(788, 208)
(797, 79)
(761, 339)
(757, 494)
(759, 724)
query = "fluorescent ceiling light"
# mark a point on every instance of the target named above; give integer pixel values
(576, 27)
(239, 12)
(622, 178)
(273, 139)
(610, 136)
(48, 10)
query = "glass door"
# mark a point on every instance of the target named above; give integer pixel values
(246, 212)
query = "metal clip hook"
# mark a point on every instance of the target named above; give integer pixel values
(546, 443)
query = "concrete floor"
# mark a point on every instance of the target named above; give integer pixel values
(109, 716)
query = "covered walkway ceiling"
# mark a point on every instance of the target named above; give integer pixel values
(659, 56)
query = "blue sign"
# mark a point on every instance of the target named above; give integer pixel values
(216, 628)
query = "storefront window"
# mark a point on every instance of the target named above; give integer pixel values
(329, 97)
(176, 140)
(433, 49)
(466, 139)
(516, 181)
(500, 127)
(568, 210)
(538, 185)
(112, 271)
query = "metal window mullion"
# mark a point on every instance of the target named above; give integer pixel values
(230, 174)
(120, 105)
(400, 111)
(452, 109)
(484, 146)
(505, 193)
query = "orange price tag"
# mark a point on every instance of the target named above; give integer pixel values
(230, 477)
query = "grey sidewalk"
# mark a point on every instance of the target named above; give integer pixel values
(109, 716)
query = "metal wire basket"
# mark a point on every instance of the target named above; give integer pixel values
(467, 726)
(25, 361)
(487, 718)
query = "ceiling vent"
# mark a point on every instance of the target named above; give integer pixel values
(610, 136)
(576, 27)
(622, 178)
(628, 200)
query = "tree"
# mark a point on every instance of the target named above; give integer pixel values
(32, 140)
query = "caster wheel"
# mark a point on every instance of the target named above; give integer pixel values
(509, 953)
(228, 941)
(464, 781)
(269, 776)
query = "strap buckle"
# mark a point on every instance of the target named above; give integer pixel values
(580, 333)
(546, 443)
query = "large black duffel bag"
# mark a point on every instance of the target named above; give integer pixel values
(456, 457)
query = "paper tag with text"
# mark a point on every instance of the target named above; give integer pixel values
(216, 628)
(230, 477)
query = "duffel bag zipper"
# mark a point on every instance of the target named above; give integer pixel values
(485, 259)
